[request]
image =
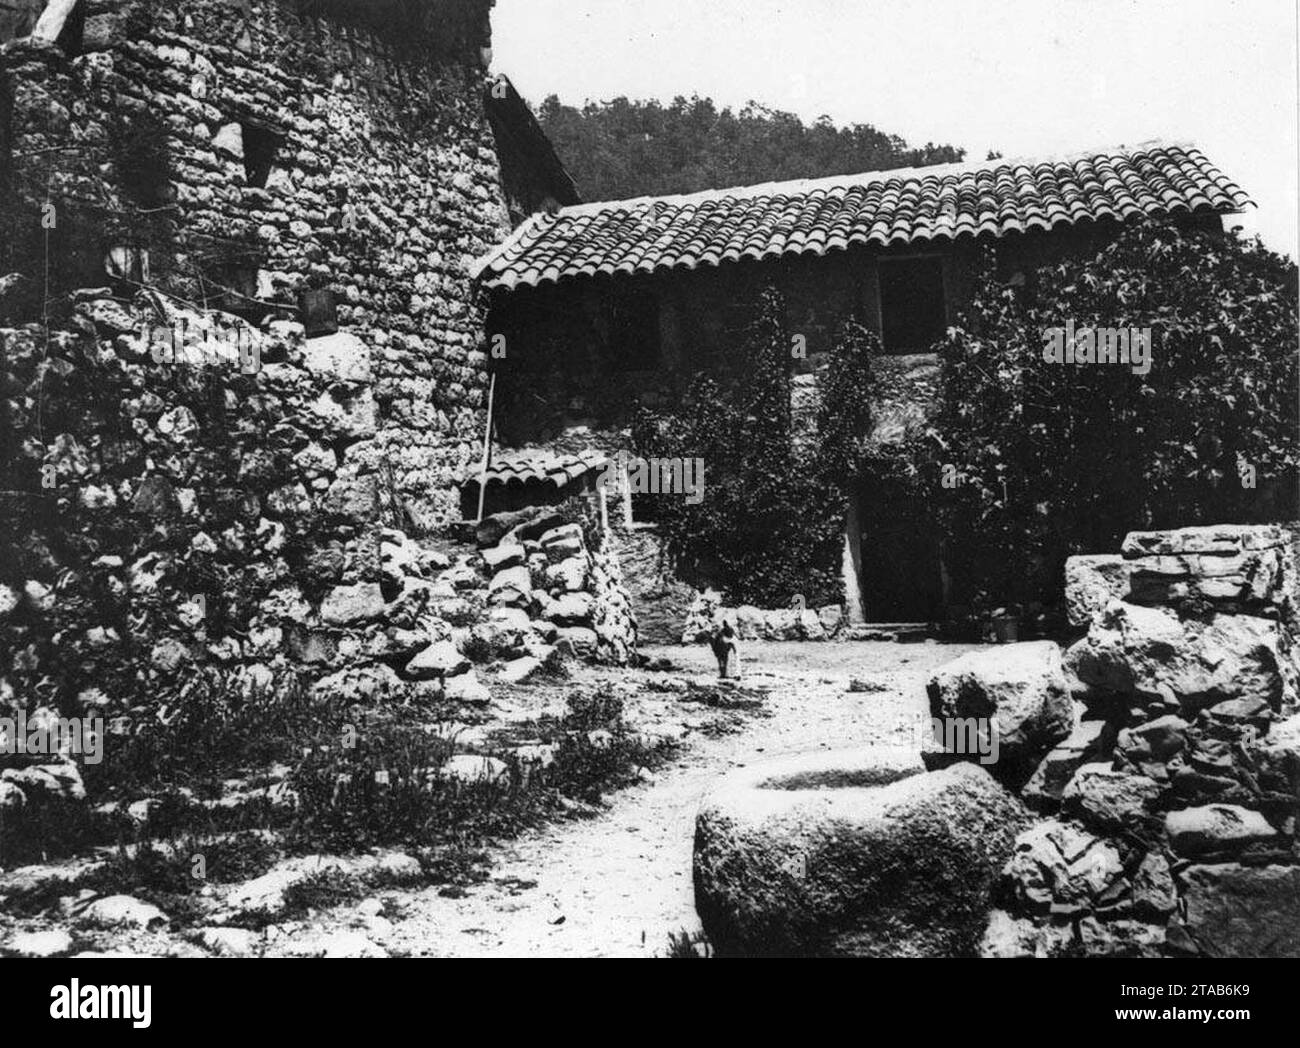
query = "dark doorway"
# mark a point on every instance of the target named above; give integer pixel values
(912, 312)
(901, 579)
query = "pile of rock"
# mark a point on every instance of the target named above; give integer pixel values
(753, 623)
(1171, 792)
(546, 580)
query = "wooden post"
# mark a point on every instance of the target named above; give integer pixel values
(487, 447)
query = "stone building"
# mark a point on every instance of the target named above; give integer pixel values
(242, 356)
(608, 305)
(239, 153)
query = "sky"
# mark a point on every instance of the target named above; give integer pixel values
(1025, 77)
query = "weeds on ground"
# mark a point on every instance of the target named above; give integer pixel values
(212, 728)
(724, 697)
(388, 787)
(360, 779)
(688, 944)
(320, 891)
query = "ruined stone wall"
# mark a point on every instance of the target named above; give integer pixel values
(1172, 804)
(255, 150)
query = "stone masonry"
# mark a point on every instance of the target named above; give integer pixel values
(238, 153)
(1169, 810)
(198, 498)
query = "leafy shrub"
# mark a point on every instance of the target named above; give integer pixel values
(207, 729)
(769, 524)
(684, 944)
(583, 511)
(1059, 459)
(386, 789)
(382, 786)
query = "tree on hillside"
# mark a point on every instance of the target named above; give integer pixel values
(623, 148)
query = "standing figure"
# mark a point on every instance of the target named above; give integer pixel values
(725, 651)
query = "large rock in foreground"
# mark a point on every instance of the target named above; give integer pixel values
(843, 854)
(1019, 688)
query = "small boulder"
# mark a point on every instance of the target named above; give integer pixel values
(1122, 938)
(439, 660)
(365, 684)
(503, 633)
(1087, 742)
(1060, 870)
(12, 798)
(230, 942)
(1091, 583)
(578, 641)
(1148, 652)
(1154, 894)
(1278, 757)
(1018, 689)
(568, 576)
(516, 671)
(563, 542)
(1105, 800)
(570, 609)
(467, 689)
(507, 555)
(1215, 828)
(1008, 936)
(472, 769)
(351, 605)
(123, 911)
(810, 626)
(47, 783)
(832, 618)
(52, 943)
(511, 588)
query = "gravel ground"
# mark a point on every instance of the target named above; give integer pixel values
(616, 884)
(619, 884)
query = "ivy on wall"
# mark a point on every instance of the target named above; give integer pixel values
(768, 528)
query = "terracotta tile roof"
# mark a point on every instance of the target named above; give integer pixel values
(530, 465)
(908, 206)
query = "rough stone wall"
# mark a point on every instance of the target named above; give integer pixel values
(660, 599)
(549, 575)
(707, 612)
(164, 518)
(192, 494)
(383, 185)
(1173, 804)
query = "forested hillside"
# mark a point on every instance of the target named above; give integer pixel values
(623, 148)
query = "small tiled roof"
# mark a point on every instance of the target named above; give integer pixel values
(812, 217)
(537, 465)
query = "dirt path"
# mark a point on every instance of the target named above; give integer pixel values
(620, 883)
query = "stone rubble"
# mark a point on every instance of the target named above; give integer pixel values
(1174, 801)
(751, 623)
